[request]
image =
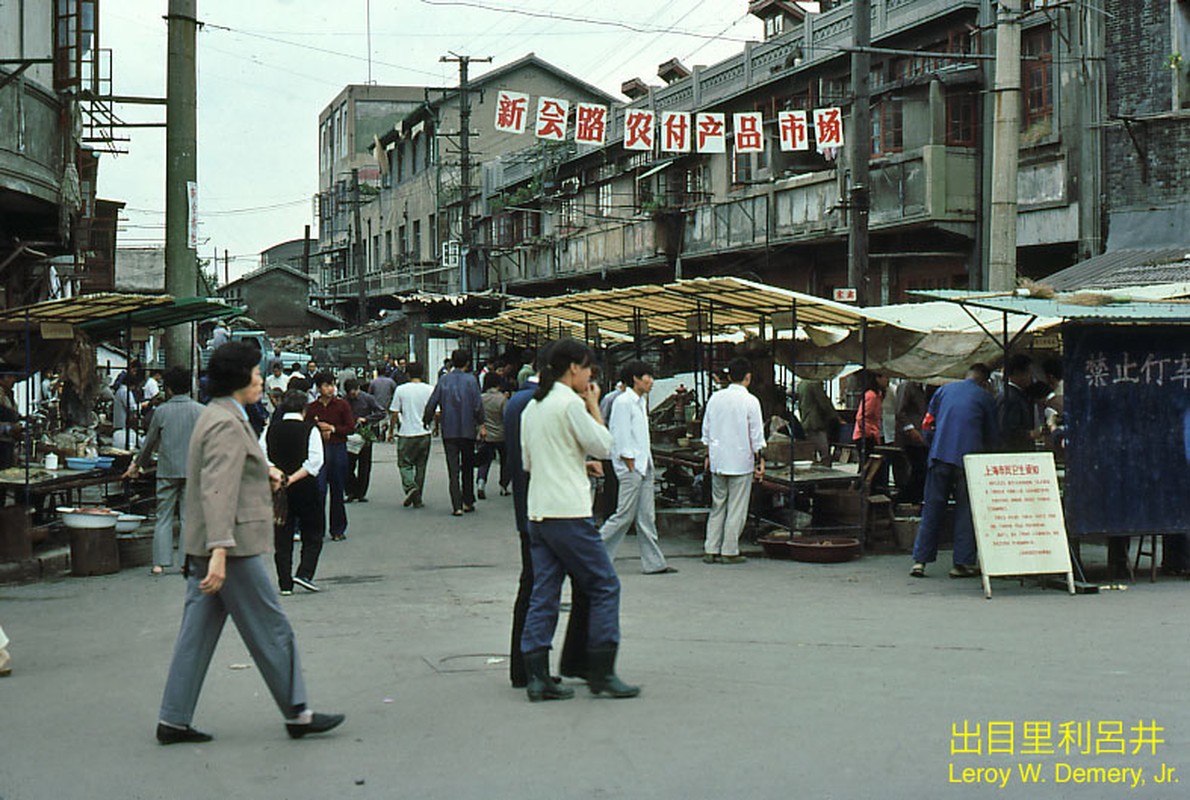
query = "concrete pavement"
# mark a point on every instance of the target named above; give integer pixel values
(765, 680)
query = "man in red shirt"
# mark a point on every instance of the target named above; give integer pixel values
(334, 419)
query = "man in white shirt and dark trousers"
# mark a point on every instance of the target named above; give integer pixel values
(733, 431)
(632, 460)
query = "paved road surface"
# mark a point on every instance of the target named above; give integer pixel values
(766, 680)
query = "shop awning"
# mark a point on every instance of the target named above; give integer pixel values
(177, 312)
(1101, 307)
(104, 315)
(76, 310)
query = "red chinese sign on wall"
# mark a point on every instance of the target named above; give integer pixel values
(749, 132)
(590, 124)
(678, 131)
(639, 129)
(512, 111)
(793, 128)
(551, 118)
(711, 133)
(828, 128)
(675, 132)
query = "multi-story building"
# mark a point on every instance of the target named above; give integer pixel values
(416, 206)
(347, 132)
(1147, 132)
(571, 216)
(53, 77)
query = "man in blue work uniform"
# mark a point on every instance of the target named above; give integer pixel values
(963, 415)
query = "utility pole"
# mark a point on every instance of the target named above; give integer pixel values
(306, 252)
(356, 250)
(464, 160)
(181, 170)
(859, 197)
(1006, 134)
(226, 267)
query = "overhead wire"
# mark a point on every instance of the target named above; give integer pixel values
(634, 27)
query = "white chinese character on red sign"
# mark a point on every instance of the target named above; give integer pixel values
(828, 127)
(675, 132)
(512, 111)
(551, 118)
(749, 135)
(638, 129)
(590, 124)
(794, 129)
(712, 137)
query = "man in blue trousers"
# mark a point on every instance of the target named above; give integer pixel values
(963, 418)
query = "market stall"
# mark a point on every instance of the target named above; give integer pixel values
(1126, 409)
(61, 457)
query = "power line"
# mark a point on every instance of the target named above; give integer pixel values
(340, 54)
(635, 28)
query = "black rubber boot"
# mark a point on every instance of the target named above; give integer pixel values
(541, 686)
(601, 673)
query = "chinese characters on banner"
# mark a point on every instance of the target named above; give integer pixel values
(590, 124)
(712, 133)
(675, 132)
(793, 127)
(828, 128)
(512, 111)
(638, 129)
(749, 132)
(551, 118)
(678, 131)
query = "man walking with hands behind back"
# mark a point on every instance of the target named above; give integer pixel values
(632, 459)
(733, 431)
(457, 394)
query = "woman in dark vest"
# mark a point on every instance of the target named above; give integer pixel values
(294, 446)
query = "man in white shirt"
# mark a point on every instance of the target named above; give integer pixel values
(733, 431)
(632, 460)
(275, 385)
(413, 437)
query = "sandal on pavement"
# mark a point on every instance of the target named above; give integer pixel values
(918, 571)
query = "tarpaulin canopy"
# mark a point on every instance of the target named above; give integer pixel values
(103, 315)
(76, 310)
(176, 312)
(699, 306)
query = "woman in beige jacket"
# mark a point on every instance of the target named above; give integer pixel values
(229, 527)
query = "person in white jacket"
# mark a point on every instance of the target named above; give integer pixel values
(733, 431)
(560, 428)
(632, 459)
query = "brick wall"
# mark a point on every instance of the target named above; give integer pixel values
(1139, 83)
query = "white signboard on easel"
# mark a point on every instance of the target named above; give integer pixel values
(1017, 511)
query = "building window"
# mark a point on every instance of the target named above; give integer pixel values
(388, 247)
(1037, 75)
(376, 253)
(502, 230)
(568, 214)
(960, 120)
(603, 199)
(416, 249)
(402, 241)
(774, 26)
(887, 128)
(741, 166)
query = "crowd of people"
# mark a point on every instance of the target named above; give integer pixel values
(264, 462)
